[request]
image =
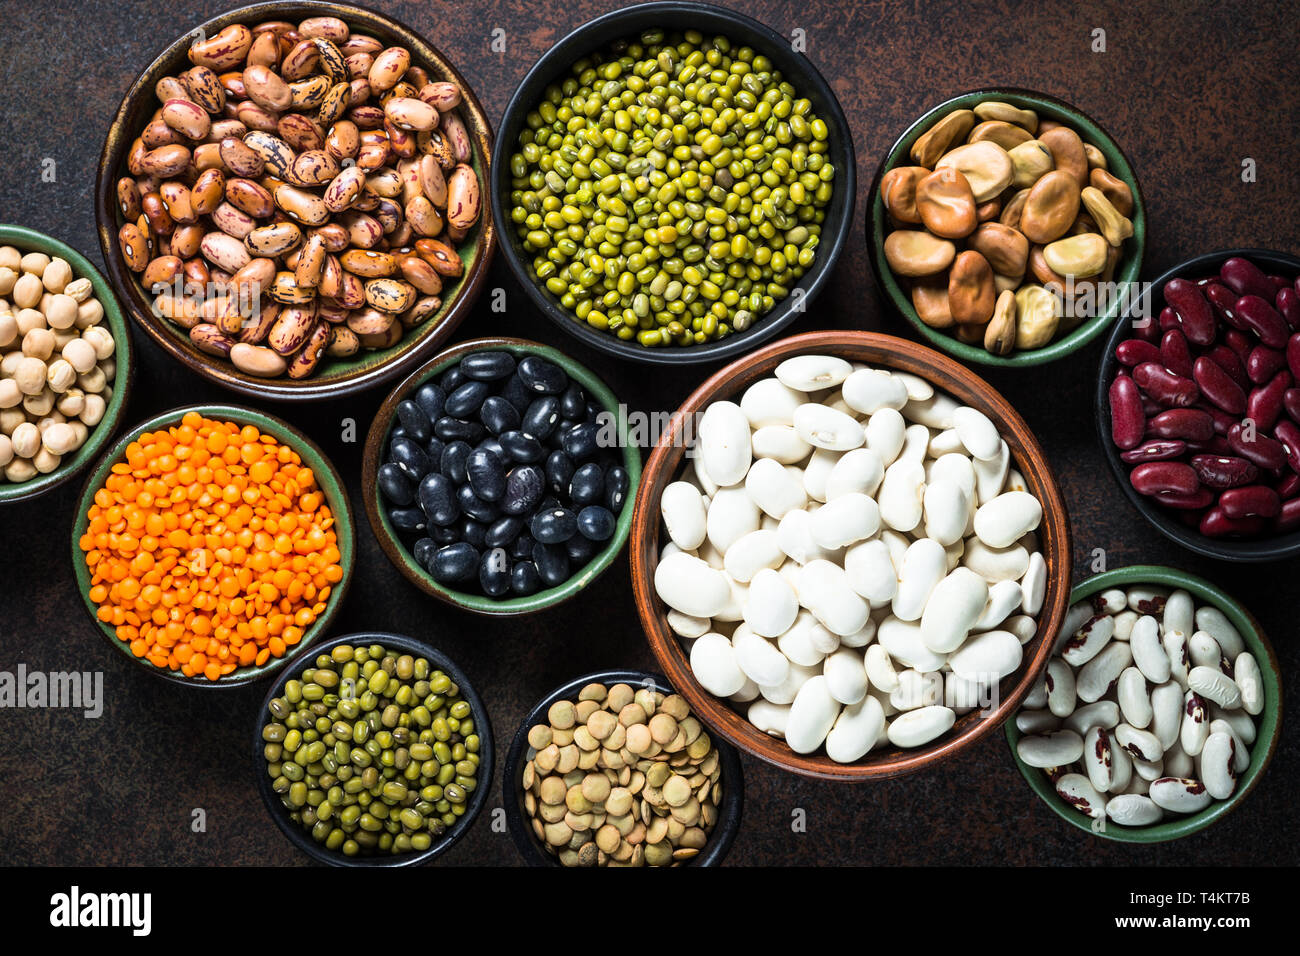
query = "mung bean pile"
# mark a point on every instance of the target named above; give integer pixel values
(373, 751)
(672, 190)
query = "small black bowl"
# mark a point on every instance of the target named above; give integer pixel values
(596, 35)
(733, 786)
(302, 838)
(1164, 519)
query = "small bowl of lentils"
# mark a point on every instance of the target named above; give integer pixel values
(498, 477)
(376, 754)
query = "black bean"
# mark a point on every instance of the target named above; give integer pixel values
(408, 455)
(554, 526)
(395, 484)
(487, 476)
(447, 535)
(476, 507)
(487, 366)
(503, 531)
(524, 579)
(498, 415)
(518, 447)
(449, 428)
(454, 458)
(423, 550)
(454, 564)
(466, 400)
(408, 519)
(398, 432)
(524, 487)
(539, 375)
(516, 393)
(433, 450)
(451, 379)
(581, 441)
(541, 417)
(430, 398)
(574, 401)
(616, 486)
(587, 485)
(414, 420)
(552, 563)
(475, 532)
(549, 503)
(438, 499)
(596, 523)
(492, 446)
(494, 572)
(523, 546)
(580, 550)
(559, 471)
(595, 411)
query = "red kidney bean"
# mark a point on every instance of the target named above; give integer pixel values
(1239, 342)
(1224, 471)
(1151, 407)
(1293, 354)
(1228, 360)
(1245, 278)
(1222, 420)
(1279, 282)
(1201, 498)
(1288, 433)
(1263, 320)
(1262, 450)
(1164, 386)
(1168, 320)
(1224, 301)
(1175, 354)
(1216, 524)
(1218, 386)
(1147, 329)
(1127, 421)
(1265, 402)
(1289, 517)
(1289, 486)
(1193, 310)
(1291, 402)
(1159, 449)
(1287, 304)
(1153, 477)
(1263, 363)
(1250, 501)
(1132, 352)
(1192, 424)
(1218, 445)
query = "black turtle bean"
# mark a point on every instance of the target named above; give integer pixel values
(414, 420)
(455, 457)
(596, 523)
(467, 399)
(423, 551)
(581, 441)
(452, 379)
(518, 447)
(475, 532)
(559, 471)
(616, 486)
(408, 455)
(494, 572)
(539, 375)
(554, 525)
(573, 403)
(541, 417)
(433, 450)
(552, 563)
(449, 429)
(455, 563)
(476, 507)
(503, 531)
(447, 535)
(524, 579)
(587, 485)
(580, 550)
(430, 398)
(498, 415)
(408, 519)
(523, 546)
(516, 393)
(487, 366)
(437, 496)
(395, 484)
(486, 474)
(524, 487)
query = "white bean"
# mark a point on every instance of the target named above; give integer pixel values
(771, 608)
(917, 690)
(687, 584)
(1096, 676)
(902, 639)
(996, 564)
(924, 566)
(868, 390)
(758, 657)
(859, 471)
(885, 431)
(770, 402)
(773, 487)
(824, 427)
(1004, 597)
(806, 642)
(951, 610)
(987, 657)
(786, 691)
(724, 444)
(684, 514)
(917, 727)
(713, 662)
(991, 476)
(946, 508)
(856, 730)
(977, 433)
(1033, 585)
(933, 412)
(844, 521)
(817, 472)
(732, 515)
(824, 589)
(811, 373)
(684, 625)
(880, 669)
(780, 443)
(751, 553)
(812, 716)
(1002, 520)
(768, 717)
(846, 677)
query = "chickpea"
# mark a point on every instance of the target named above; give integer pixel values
(10, 419)
(30, 375)
(102, 341)
(93, 381)
(89, 313)
(79, 290)
(61, 375)
(72, 402)
(39, 343)
(41, 404)
(26, 440)
(10, 258)
(59, 439)
(20, 470)
(46, 461)
(80, 433)
(56, 275)
(93, 411)
(81, 353)
(10, 393)
(6, 450)
(9, 364)
(8, 329)
(61, 311)
(27, 291)
(7, 279)
(35, 263)
(29, 319)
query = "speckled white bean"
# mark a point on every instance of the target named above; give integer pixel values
(1050, 750)
(1250, 683)
(1140, 743)
(1097, 760)
(1212, 684)
(1148, 653)
(1179, 614)
(1062, 697)
(1203, 650)
(1215, 623)
(1088, 640)
(1037, 722)
(1133, 810)
(1133, 697)
(1217, 769)
(1077, 791)
(1180, 794)
(1166, 712)
(1104, 713)
(1180, 661)
(1095, 677)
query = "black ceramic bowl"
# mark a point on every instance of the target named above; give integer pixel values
(598, 34)
(302, 838)
(512, 794)
(1165, 520)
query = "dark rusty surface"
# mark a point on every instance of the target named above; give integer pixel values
(1188, 90)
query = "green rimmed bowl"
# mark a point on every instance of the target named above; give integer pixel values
(29, 240)
(329, 482)
(1269, 722)
(1126, 273)
(391, 540)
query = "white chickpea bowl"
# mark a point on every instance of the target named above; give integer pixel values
(899, 747)
(106, 412)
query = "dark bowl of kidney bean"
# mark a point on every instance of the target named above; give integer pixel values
(494, 479)
(1198, 404)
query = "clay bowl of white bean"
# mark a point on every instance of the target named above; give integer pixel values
(1159, 710)
(288, 200)
(849, 553)
(65, 363)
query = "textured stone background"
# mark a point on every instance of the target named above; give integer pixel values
(1188, 90)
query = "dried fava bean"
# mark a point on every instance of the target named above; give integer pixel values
(916, 253)
(985, 165)
(945, 204)
(898, 192)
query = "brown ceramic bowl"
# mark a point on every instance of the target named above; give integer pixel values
(333, 378)
(899, 354)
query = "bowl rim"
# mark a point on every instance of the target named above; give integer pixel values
(1223, 549)
(1027, 457)
(31, 240)
(557, 60)
(423, 339)
(1270, 722)
(733, 800)
(1127, 273)
(478, 799)
(331, 485)
(377, 441)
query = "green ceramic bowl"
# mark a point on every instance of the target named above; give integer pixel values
(327, 479)
(29, 240)
(1268, 723)
(1130, 263)
(397, 549)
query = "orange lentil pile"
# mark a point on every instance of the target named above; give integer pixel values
(210, 548)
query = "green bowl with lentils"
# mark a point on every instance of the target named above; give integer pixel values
(669, 196)
(378, 753)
